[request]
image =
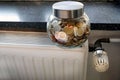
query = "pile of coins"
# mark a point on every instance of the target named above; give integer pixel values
(69, 32)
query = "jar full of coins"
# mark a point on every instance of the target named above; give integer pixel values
(68, 25)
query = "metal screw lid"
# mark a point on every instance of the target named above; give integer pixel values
(68, 9)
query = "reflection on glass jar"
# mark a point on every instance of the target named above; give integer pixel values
(70, 31)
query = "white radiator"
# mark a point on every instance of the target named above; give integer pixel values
(30, 62)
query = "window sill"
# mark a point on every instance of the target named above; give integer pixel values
(32, 16)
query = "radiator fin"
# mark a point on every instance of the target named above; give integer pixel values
(18, 63)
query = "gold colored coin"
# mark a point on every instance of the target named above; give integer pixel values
(87, 31)
(79, 24)
(80, 31)
(68, 29)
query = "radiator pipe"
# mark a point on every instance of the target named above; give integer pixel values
(98, 43)
(114, 40)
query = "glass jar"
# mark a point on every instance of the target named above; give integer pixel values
(68, 26)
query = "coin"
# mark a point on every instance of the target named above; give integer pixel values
(61, 36)
(80, 31)
(68, 29)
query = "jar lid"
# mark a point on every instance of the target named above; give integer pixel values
(68, 9)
